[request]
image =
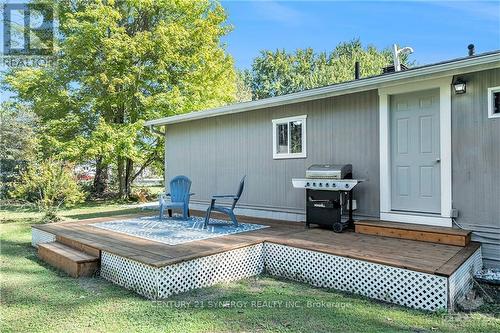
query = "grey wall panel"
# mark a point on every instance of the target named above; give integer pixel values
(476, 162)
(216, 152)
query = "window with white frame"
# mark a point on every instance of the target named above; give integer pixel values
(494, 102)
(289, 137)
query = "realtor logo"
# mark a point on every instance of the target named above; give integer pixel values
(28, 29)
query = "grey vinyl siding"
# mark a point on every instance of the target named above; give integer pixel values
(476, 163)
(216, 152)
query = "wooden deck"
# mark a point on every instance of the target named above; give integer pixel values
(438, 259)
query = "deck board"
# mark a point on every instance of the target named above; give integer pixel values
(452, 265)
(415, 227)
(410, 254)
(431, 234)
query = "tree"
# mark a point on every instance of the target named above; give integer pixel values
(50, 184)
(278, 72)
(243, 88)
(17, 142)
(119, 63)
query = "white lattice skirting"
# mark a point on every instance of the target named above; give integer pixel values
(396, 285)
(386, 283)
(157, 283)
(39, 236)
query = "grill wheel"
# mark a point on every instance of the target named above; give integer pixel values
(338, 227)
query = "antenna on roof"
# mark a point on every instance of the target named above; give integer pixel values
(395, 54)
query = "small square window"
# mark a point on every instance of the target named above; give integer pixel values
(494, 102)
(289, 137)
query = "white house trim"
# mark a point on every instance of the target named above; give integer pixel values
(386, 213)
(287, 120)
(490, 102)
(427, 219)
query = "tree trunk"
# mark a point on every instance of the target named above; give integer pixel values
(121, 178)
(129, 170)
(122, 192)
(100, 184)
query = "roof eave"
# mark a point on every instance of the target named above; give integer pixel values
(333, 90)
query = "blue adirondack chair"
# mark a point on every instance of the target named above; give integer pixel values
(179, 197)
(226, 210)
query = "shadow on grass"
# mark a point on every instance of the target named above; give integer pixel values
(12, 249)
(51, 291)
(124, 211)
(18, 208)
(26, 213)
(41, 276)
(25, 220)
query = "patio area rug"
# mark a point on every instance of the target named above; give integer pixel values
(173, 231)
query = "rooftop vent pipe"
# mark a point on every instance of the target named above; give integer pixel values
(471, 49)
(356, 70)
(396, 52)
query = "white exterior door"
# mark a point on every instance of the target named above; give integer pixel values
(415, 152)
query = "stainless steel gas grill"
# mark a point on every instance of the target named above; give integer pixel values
(329, 171)
(328, 190)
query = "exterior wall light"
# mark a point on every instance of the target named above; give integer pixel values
(459, 86)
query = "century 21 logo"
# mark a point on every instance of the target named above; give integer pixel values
(28, 29)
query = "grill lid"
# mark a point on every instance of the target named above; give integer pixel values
(333, 171)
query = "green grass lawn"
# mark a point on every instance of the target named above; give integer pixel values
(37, 298)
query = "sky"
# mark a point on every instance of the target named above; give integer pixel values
(436, 31)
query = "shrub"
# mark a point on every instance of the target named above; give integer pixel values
(50, 185)
(142, 195)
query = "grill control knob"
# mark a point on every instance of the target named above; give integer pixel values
(327, 185)
(346, 185)
(320, 184)
(314, 184)
(334, 185)
(307, 184)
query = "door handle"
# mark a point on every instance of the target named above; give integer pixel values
(438, 160)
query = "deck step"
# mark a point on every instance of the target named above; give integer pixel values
(75, 263)
(77, 245)
(440, 235)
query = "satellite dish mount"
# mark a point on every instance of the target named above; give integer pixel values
(396, 52)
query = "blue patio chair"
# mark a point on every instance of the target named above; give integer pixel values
(179, 197)
(225, 210)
